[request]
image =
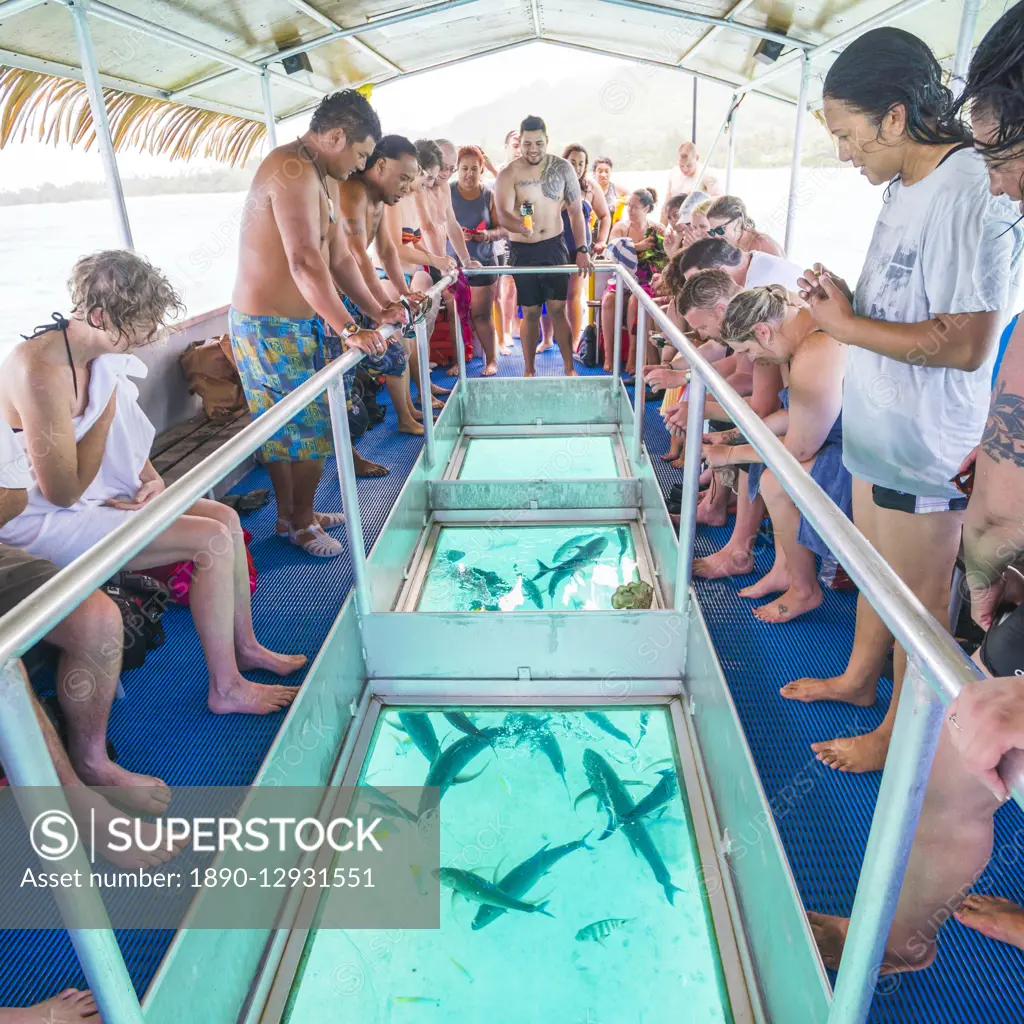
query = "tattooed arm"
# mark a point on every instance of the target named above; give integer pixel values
(994, 525)
(559, 181)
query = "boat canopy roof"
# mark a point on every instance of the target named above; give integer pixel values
(184, 77)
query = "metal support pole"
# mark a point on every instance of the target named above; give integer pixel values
(919, 720)
(426, 398)
(620, 289)
(693, 137)
(798, 145)
(731, 143)
(691, 490)
(639, 387)
(37, 790)
(964, 44)
(90, 73)
(460, 345)
(336, 400)
(268, 110)
(702, 170)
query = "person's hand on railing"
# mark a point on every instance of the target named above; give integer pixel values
(985, 721)
(446, 264)
(675, 417)
(369, 342)
(418, 302)
(393, 313)
(664, 377)
(584, 262)
(723, 437)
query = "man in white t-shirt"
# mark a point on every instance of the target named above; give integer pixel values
(747, 269)
(90, 641)
(683, 177)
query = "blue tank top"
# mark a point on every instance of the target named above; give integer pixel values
(835, 435)
(470, 213)
(570, 242)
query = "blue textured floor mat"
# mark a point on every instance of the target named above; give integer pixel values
(824, 829)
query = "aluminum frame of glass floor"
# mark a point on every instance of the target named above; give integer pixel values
(563, 657)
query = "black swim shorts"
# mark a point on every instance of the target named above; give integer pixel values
(536, 289)
(1002, 650)
(914, 504)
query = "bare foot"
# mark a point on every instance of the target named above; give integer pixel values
(571, 372)
(994, 917)
(840, 688)
(140, 794)
(728, 561)
(94, 815)
(529, 373)
(679, 462)
(506, 350)
(855, 754)
(791, 605)
(711, 515)
(490, 370)
(673, 458)
(607, 369)
(412, 427)
(241, 696)
(773, 582)
(452, 371)
(830, 934)
(436, 403)
(436, 389)
(545, 346)
(417, 415)
(366, 468)
(259, 657)
(66, 1008)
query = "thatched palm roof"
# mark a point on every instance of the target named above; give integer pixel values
(51, 109)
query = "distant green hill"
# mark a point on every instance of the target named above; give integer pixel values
(637, 115)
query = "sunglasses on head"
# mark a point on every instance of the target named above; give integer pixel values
(720, 230)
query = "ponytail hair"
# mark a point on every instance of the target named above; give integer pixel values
(731, 208)
(764, 305)
(889, 67)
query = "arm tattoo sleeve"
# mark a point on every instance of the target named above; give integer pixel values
(733, 437)
(1003, 440)
(559, 181)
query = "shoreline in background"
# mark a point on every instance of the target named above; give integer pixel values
(193, 238)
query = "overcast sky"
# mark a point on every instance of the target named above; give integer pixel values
(421, 101)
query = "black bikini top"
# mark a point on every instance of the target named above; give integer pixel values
(61, 324)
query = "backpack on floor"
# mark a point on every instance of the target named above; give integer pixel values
(587, 352)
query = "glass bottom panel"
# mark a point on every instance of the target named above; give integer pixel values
(599, 927)
(569, 567)
(565, 457)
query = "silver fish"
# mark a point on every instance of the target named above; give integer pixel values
(479, 890)
(600, 930)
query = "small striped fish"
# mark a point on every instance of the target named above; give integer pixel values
(600, 930)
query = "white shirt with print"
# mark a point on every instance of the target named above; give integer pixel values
(942, 245)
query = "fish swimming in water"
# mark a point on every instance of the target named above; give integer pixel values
(444, 772)
(454, 556)
(665, 789)
(586, 555)
(479, 890)
(600, 930)
(460, 967)
(522, 726)
(645, 717)
(462, 722)
(388, 805)
(605, 724)
(420, 730)
(524, 876)
(611, 792)
(575, 542)
(417, 999)
(623, 535)
(532, 591)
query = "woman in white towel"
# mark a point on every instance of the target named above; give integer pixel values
(68, 393)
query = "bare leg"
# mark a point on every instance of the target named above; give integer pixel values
(871, 639)
(547, 332)
(508, 310)
(560, 328)
(993, 916)
(608, 328)
(398, 389)
(90, 640)
(280, 474)
(483, 323)
(530, 336)
(69, 1007)
(630, 321)
(921, 550)
(713, 509)
(952, 847)
(218, 583)
(572, 307)
(803, 592)
(737, 557)
(498, 316)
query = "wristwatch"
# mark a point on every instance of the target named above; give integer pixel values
(582, 248)
(350, 329)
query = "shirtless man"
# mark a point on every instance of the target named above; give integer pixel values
(769, 324)
(549, 185)
(390, 175)
(291, 260)
(683, 177)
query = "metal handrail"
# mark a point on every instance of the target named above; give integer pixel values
(918, 631)
(37, 614)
